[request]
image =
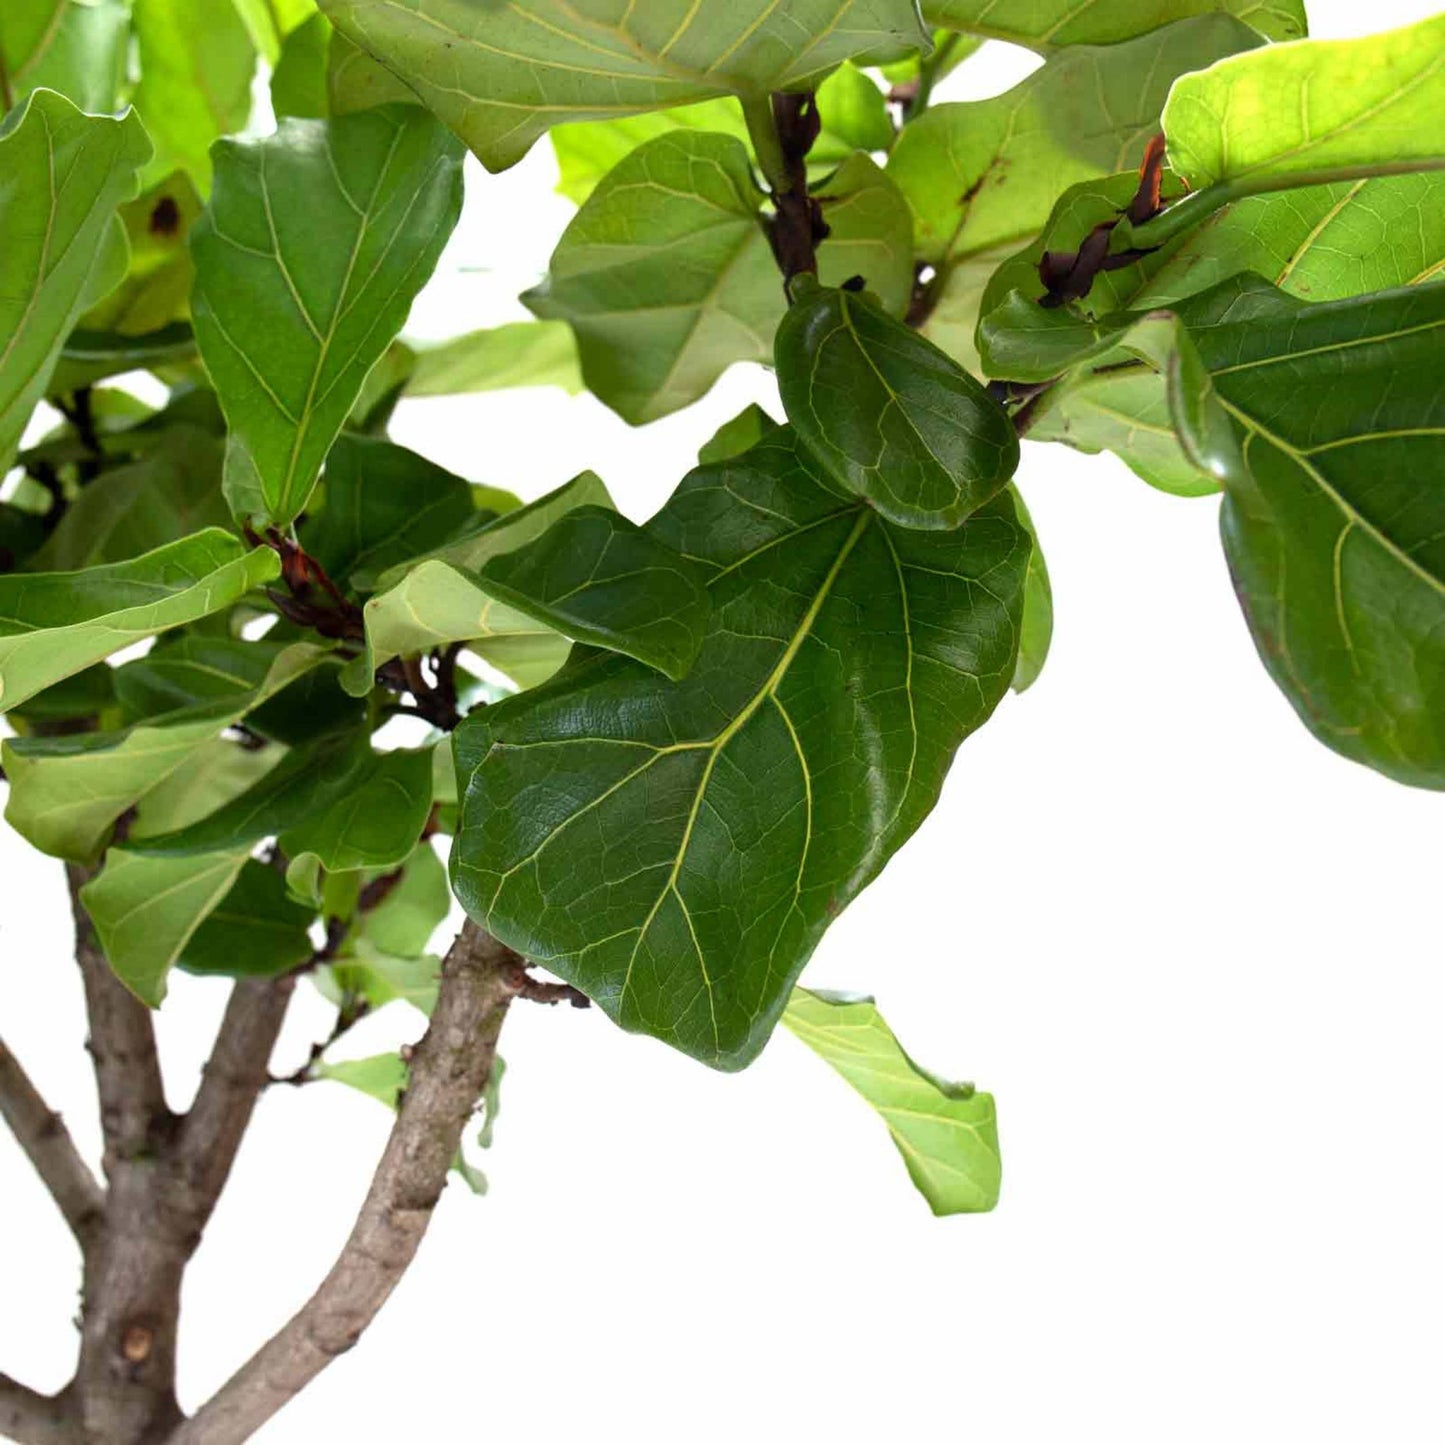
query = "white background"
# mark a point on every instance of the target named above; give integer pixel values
(1196, 957)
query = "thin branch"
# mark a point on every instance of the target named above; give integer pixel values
(30, 1418)
(449, 1071)
(46, 1141)
(133, 1112)
(210, 1134)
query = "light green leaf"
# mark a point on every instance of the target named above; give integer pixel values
(196, 65)
(984, 174)
(1036, 631)
(500, 76)
(269, 22)
(946, 1133)
(77, 47)
(667, 278)
(55, 623)
(355, 81)
(62, 175)
(208, 779)
(666, 275)
(870, 233)
(1334, 510)
(699, 837)
(888, 415)
(315, 243)
(146, 909)
(156, 290)
(737, 436)
(588, 150)
(854, 115)
(65, 792)
(436, 604)
(403, 922)
(256, 929)
(1052, 24)
(1317, 242)
(521, 353)
(1319, 111)
(173, 491)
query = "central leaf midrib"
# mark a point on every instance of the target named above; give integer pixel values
(720, 742)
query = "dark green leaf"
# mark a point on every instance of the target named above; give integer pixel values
(299, 83)
(598, 578)
(255, 929)
(946, 1133)
(314, 245)
(677, 850)
(308, 779)
(173, 492)
(515, 528)
(62, 175)
(890, 417)
(372, 820)
(500, 76)
(55, 623)
(1334, 511)
(384, 504)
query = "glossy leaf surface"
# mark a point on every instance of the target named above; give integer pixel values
(947, 1133)
(677, 850)
(500, 76)
(307, 260)
(1334, 510)
(891, 418)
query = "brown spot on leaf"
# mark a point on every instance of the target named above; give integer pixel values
(165, 217)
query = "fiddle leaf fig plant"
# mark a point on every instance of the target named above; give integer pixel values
(280, 694)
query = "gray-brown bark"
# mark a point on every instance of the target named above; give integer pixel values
(449, 1069)
(31, 1418)
(46, 1141)
(164, 1174)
